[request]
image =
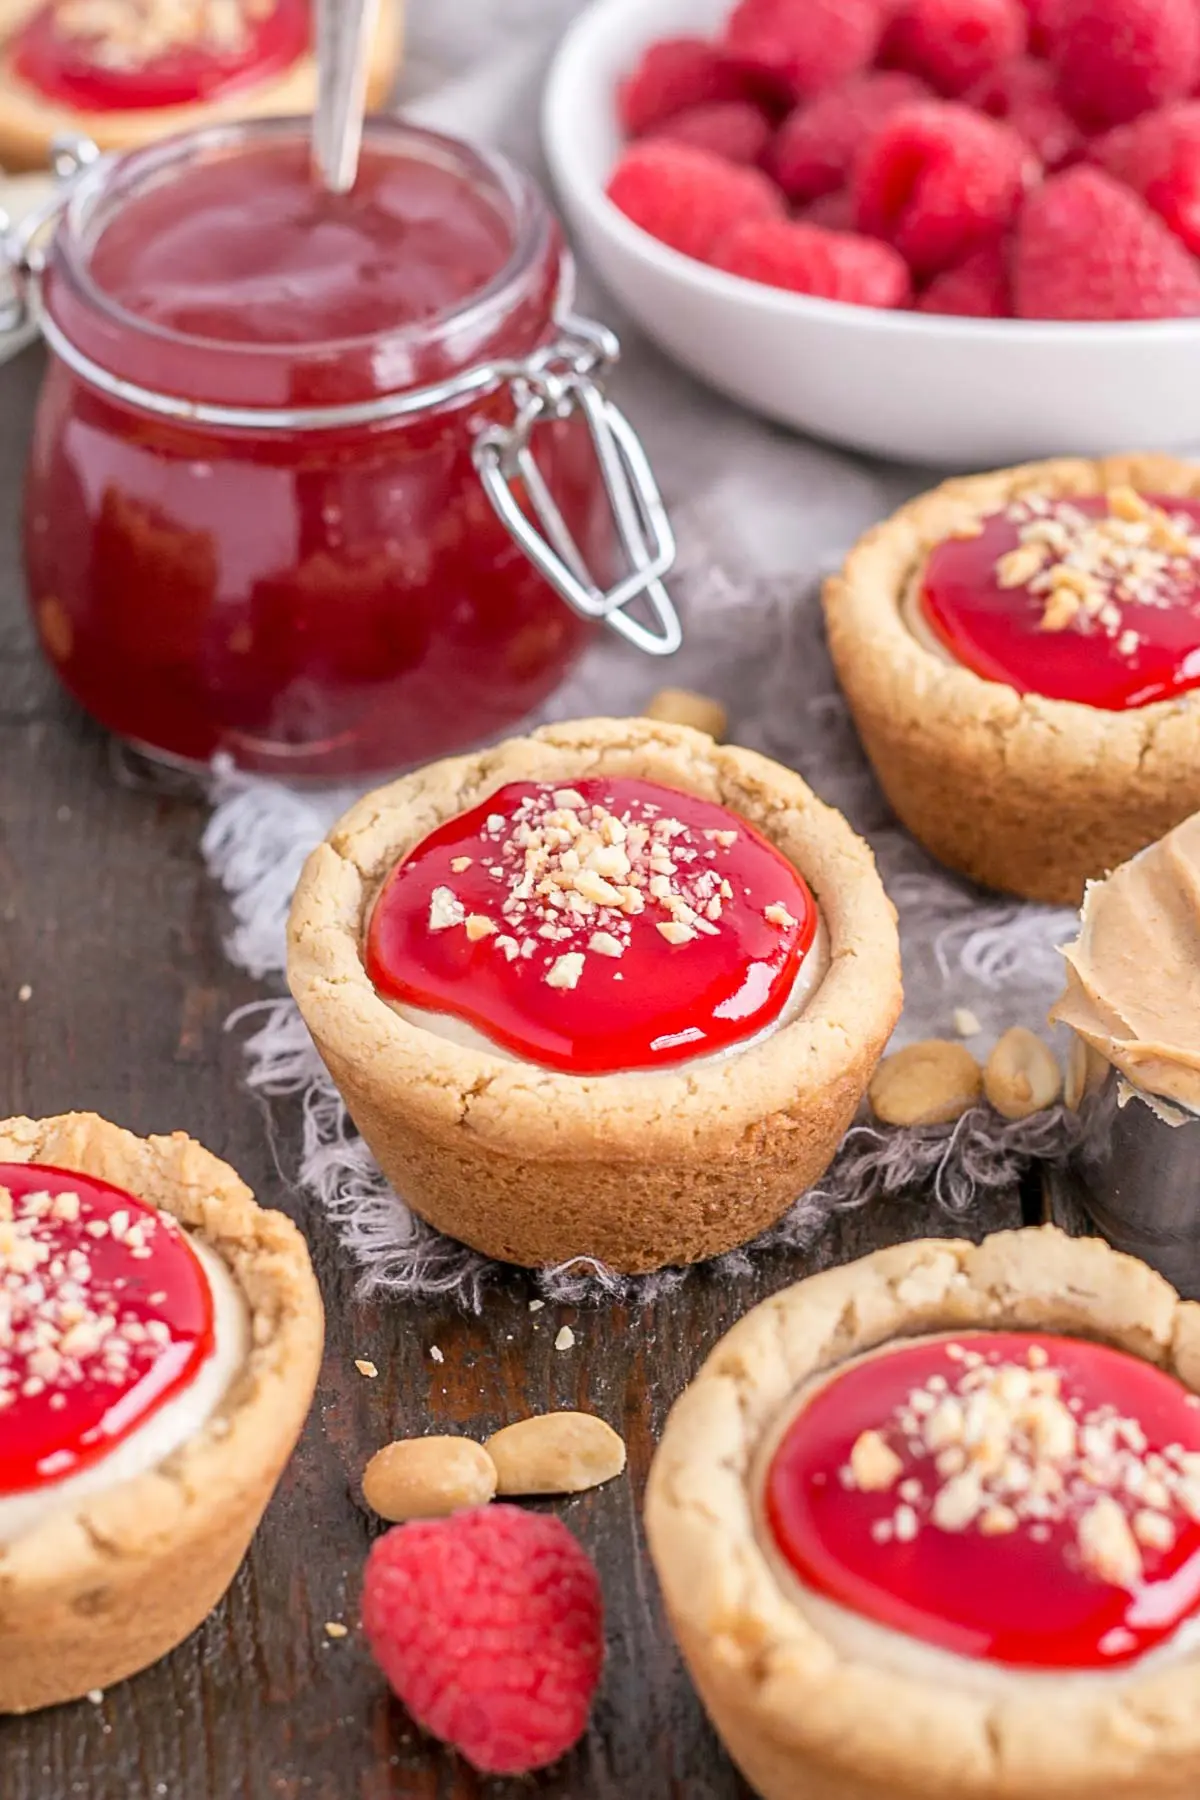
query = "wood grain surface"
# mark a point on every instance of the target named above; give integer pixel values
(106, 915)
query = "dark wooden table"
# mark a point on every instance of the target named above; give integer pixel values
(107, 916)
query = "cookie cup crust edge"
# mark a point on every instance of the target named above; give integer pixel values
(103, 1589)
(798, 1717)
(536, 1167)
(1024, 794)
(29, 123)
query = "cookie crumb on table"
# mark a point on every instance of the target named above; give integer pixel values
(565, 1339)
(366, 1368)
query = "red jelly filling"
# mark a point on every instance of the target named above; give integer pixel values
(595, 925)
(311, 601)
(1095, 600)
(1028, 1500)
(105, 1314)
(81, 55)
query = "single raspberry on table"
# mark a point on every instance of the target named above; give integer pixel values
(688, 198)
(1158, 156)
(832, 265)
(952, 44)
(1088, 248)
(489, 1626)
(1116, 59)
(674, 74)
(814, 149)
(937, 181)
(1023, 94)
(736, 130)
(976, 288)
(804, 45)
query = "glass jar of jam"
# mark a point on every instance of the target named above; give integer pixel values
(326, 483)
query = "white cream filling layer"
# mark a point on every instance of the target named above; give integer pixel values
(166, 1430)
(809, 976)
(913, 615)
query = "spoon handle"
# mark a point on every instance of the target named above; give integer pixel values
(344, 32)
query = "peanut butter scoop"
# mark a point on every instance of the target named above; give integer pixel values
(1133, 973)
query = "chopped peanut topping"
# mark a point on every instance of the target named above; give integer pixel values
(575, 874)
(1107, 1544)
(1084, 568)
(1011, 1452)
(129, 34)
(875, 1466)
(61, 1324)
(566, 970)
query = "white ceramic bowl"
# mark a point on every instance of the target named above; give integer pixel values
(961, 392)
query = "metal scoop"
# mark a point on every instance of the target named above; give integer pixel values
(344, 32)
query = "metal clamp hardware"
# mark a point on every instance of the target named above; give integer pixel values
(556, 383)
(22, 257)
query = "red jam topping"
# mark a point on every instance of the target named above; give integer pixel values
(1095, 600)
(105, 1314)
(595, 925)
(1029, 1500)
(244, 251)
(127, 55)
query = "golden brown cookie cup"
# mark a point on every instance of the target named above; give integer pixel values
(803, 1718)
(29, 122)
(1031, 796)
(636, 1171)
(104, 1588)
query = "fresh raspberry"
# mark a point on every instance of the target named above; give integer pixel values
(1159, 158)
(688, 198)
(804, 45)
(833, 265)
(815, 146)
(489, 1625)
(673, 75)
(1041, 15)
(1023, 95)
(833, 211)
(1088, 248)
(977, 288)
(953, 44)
(938, 181)
(735, 130)
(1116, 59)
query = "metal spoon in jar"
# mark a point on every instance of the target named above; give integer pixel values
(344, 33)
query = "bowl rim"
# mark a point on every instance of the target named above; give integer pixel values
(568, 87)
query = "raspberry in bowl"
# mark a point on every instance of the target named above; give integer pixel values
(935, 259)
(607, 991)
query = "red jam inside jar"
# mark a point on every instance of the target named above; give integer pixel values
(1007, 1496)
(596, 925)
(107, 1316)
(312, 601)
(1094, 599)
(94, 60)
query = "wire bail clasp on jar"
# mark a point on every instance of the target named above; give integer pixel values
(558, 382)
(21, 257)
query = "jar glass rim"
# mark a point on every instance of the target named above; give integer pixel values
(111, 180)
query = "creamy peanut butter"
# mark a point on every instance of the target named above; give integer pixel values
(1133, 973)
